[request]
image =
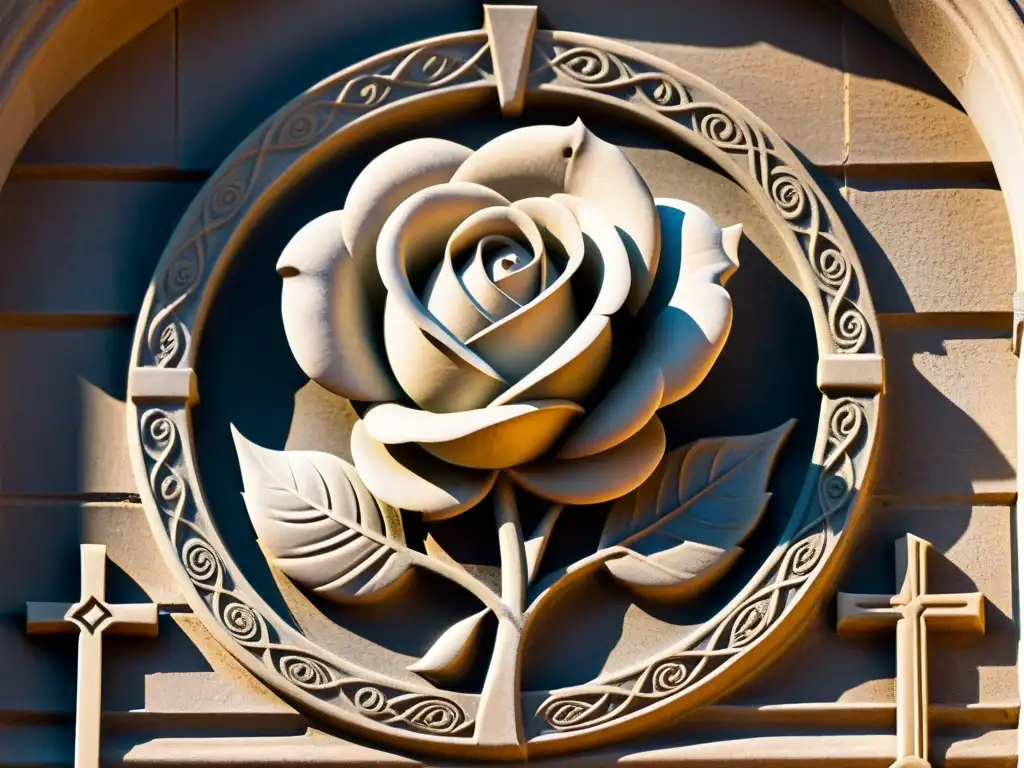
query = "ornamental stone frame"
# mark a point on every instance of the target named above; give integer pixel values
(450, 73)
(975, 47)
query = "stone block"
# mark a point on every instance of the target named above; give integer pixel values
(949, 415)
(121, 114)
(934, 249)
(899, 111)
(62, 411)
(39, 553)
(241, 60)
(782, 60)
(35, 675)
(975, 546)
(84, 247)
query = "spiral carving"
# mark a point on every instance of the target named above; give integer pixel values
(789, 196)
(802, 558)
(200, 561)
(752, 621)
(370, 701)
(569, 713)
(722, 131)
(423, 712)
(669, 676)
(306, 672)
(434, 715)
(590, 705)
(242, 622)
(836, 485)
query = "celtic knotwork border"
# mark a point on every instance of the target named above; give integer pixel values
(301, 664)
(456, 72)
(557, 59)
(434, 65)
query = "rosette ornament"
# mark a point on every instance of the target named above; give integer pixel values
(470, 299)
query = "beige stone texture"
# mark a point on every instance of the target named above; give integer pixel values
(226, 688)
(973, 552)
(84, 247)
(948, 426)
(39, 543)
(123, 113)
(62, 418)
(899, 111)
(934, 249)
(753, 50)
(949, 413)
(240, 60)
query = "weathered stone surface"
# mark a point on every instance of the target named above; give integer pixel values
(825, 667)
(84, 247)
(62, 413)
(899, 111)
(35, 673)
(948, 423)
(934, 249)
(756, 52)
(240, 60)
(227, 687)
(123, 112)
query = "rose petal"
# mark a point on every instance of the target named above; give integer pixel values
(571, 371)
(622, 413)
(328, 321)
(430, 362)
(598, 478)
(484, 438)
(605, 267)
(472, 234)
(407, 477)
(526, 162)
(559, 230)
(431, 375)
(603, 176)
(384, 184)
(543, 160)
(519, 342)
(684, 339)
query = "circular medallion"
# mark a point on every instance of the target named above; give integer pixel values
(510, 321)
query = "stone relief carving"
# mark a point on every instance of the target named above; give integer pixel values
(495, 304)
(472, 424)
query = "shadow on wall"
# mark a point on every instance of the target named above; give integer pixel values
(242, 59)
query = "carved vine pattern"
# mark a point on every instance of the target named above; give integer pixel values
(432, 66)
(423, 712)
(797, 203)
(590, 705)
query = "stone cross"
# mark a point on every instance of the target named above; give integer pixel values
(91, 616)
(913, 611)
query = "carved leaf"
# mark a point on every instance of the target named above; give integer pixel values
(319, 525)
(681, 528)
(454, 652)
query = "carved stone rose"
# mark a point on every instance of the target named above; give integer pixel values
(471, 297)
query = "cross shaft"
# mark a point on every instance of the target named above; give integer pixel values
(91, 616)
(913, 611)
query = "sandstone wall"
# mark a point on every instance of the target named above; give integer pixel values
(104, 180)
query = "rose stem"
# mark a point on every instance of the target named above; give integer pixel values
(499, 718)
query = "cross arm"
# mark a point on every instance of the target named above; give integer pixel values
(139, 619)
(48, 619)
(862, 614)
